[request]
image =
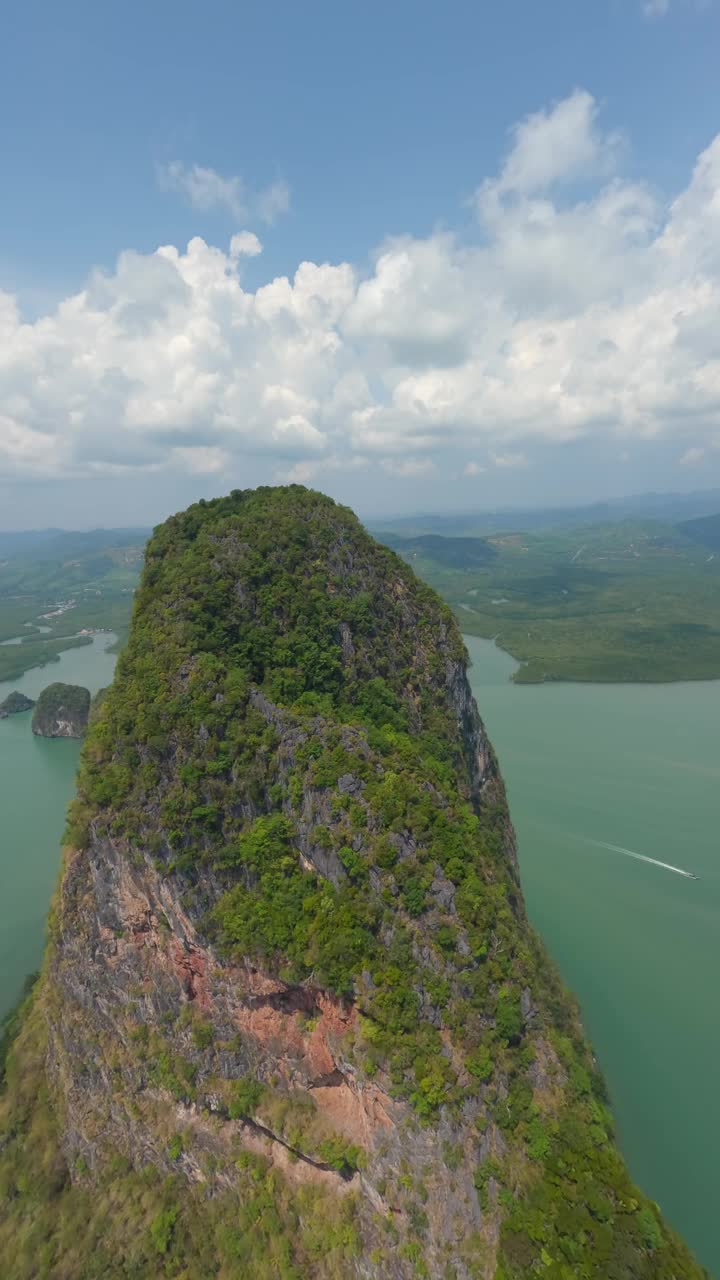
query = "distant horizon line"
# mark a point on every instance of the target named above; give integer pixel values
(419, 514)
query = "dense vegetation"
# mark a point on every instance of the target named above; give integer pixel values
(622, 598)
(14, 703)
(610, 602)
(286, 746)
(62, 710)
(452, 553)
(705, 531)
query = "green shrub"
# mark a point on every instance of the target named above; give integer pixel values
(202, 1034)
(246, 1096)
(176, 1146)
(163, 1226)
(340, 1155)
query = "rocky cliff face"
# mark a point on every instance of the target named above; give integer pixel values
(293, 1021)
(61, 711)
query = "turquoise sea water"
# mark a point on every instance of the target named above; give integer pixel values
(638, 767)
(37, 777)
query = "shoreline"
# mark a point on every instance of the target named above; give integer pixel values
(588, 680)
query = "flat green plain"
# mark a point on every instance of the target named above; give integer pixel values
(636, 601)
(55, 585)
(636, 766)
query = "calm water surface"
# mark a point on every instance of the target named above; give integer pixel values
(37, 777)
(636, 766)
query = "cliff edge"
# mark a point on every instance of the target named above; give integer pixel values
(61, 711)
(293, 1021)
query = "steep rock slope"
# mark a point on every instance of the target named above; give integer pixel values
(61, 711)
(293, 1021)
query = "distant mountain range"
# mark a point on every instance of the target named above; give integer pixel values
(60, 544)
(705, 531)
(694, 513)
(453, 553)
(680, 508)
(672, 508)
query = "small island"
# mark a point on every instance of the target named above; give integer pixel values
(14, 703)
(61, 711)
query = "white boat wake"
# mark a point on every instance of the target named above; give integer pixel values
(642, 857)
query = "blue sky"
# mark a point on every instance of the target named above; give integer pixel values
(516, 282)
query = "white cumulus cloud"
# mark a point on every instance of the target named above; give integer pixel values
(245, 244)
(692, 457)
(584, 307)
(509, 460)
(409, 467)
(562, 144)
(659, 8)
(206, 189)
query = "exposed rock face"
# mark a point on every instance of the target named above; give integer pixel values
(15, 703)
(290, 977)
(61, 711)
